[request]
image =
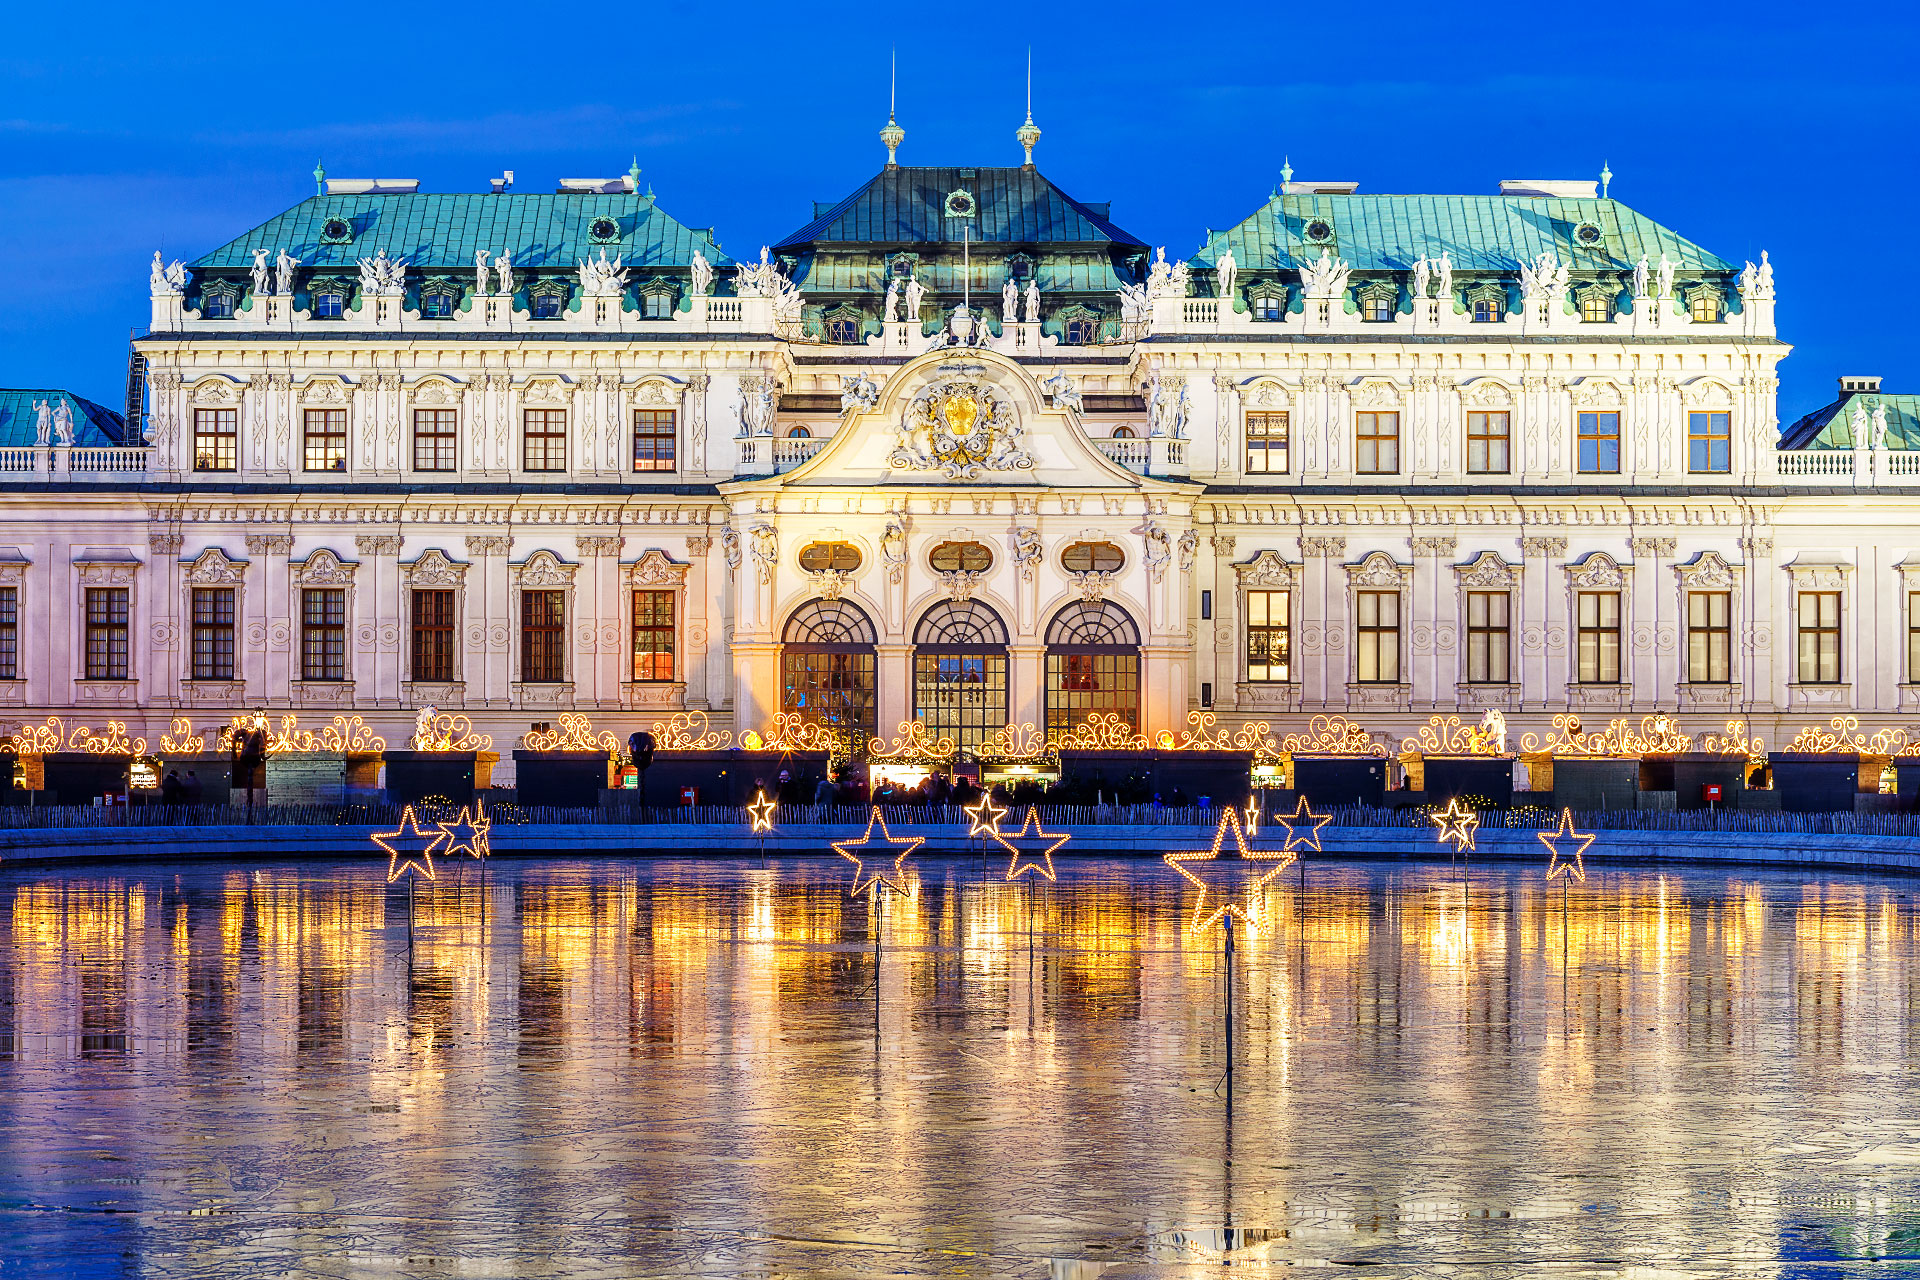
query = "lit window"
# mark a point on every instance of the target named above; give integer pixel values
(841, 557)
(435, 439)
(1705, 308)
(1819, 616)
(433, 635)
(1488, 436)
(1092, 557)
(545, 444)
(1376, 443)
(1598, 625)
(1599, 443)
(213, 633)
(215, 439)
(325, 440)
(1267, 444)
(652, 636)
(653, 439)
(107, 609)
(1595, 307)
(1377, 637)
(1485, 311)
(1709, 442)
(1709, 637)
(1376, 308)
(1269, 637)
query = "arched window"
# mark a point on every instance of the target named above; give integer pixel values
(960, 672)
(827, 668)
(1093, 665)
(799, 433)
(1123, 433)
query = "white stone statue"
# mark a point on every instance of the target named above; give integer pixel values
(702, 272)
(1182, 280)
(1160, 275)
(915, 292)
(1166, 407)
(424, 736)
(42, 423)
(157, 277)
(284, 265)
(1664, 273)
(1859, 426)
(503, 273)
(893, 543)
(1877, 432)
(1065, 394)
(1009, 302)
(1325, 279)
(1224, 270)
(1158, 547)
(858, 393)
(762, 279)
(600, 278)
(167, 281)
(1422, 271)
(1443, 277)
(1640, 278)
(1033, 301)
(383, 277)
(482, 276)
(261, 273)
(759, 406)
(890, 309)
(1537, 277)
(1027, 551)
(730, 546)
(1188, 546)
(765, 546)
(1765, 278)
(63, 423)
(1493, 730)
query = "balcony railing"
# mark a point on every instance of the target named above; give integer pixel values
(15, 459)
(788, 454)
(51, 462)
(1824, 463)
(117, 461)
(1131, 454)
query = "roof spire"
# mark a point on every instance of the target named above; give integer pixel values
(1029, 133)
(319, 178)
(1606, 179)
(1286, 172)
(893, 135)
(633, 175)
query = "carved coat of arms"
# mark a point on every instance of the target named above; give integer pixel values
(961, 428)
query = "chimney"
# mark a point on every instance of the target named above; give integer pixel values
(1859, 383)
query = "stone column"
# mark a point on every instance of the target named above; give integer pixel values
(1542, 626)
(1229, 460)
(383, 616)
(1163, 688)
(1431, 627)
(893, 676)
(756, 685)
(1220, 663)
(1655, 633)
(693, 426)
(165, 670)
(1323, 621)
(597, 602)
(488, 633)
(698, 627)
(1765, 643)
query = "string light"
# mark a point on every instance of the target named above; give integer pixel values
(1233, 880)
(39, 739)
(574, 734)
(1558, 864)
(449, 732)
(912, 745)
(1032, 848)
(689, 731)
(409, 850)
(465, 834)
(901, 847)
(1300, 817)
(985, 816)
(1457, 823)
(760, 812)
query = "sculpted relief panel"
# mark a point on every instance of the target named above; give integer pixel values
(960, 427)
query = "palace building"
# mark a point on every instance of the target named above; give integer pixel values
(961, 451)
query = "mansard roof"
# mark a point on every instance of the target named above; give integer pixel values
(1831, 427)
(1492, 233)
(94, 425)
(905, 205)
(435, 231)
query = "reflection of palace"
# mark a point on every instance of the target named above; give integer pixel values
(960, 450)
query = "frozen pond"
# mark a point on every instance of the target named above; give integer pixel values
(620, 1068)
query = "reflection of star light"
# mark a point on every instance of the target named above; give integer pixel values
(1558, 863)
(1300, 817)
(409, 849)
(465, 834)
(1232, 880)
(1032, 848)
(760, 812)
(986, 816)
(865, 877)
(1457, 823)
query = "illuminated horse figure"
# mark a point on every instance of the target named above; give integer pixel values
(1492, 731)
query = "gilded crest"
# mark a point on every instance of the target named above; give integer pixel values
(961, 428)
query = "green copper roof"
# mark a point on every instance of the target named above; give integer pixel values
(1478, 233)
(436, 232)
(93, 425)
(904, 205)
(1832, 427)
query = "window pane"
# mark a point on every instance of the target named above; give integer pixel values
(653, 440)
(433, 635)
(652, 635)
(325, 440)
(1269, 638)
(434, 439)
(545, 432)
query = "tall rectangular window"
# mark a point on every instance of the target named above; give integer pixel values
(1269, 637)
(543, 635)
(1709, 637)
(1377, 637)
(1489, 632)
(1913, 637)
(106, 633)
(1597, 628)
(1819, 616)
(1710, 442)
(213, 633)
(433, 635)
(545, 439)
(653, 439)
(1487, 440)
(326, 439)
(1599, 440)
(1267, 444)
(323, 634)
(653, 635)
(435, 439)
(215, 439)
(9, 635)
(1376, 443)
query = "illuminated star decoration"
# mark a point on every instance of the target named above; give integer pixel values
(1559, 864)
(465, 834)
(760, 812)
(409, 849)
(986, 817)
(1232, 880)
(1300, 817)
(865, 877)
(1457, 823)
(1032, 848)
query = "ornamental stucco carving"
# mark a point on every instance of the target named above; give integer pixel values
(324, 569)
(1487, 570)
(486, 544)
(1706, 572)
(1093, 584)
(960, 427)
(543, 569)
(1597, 569)
(1027, 552)
(655, 569)
(1266, 570)
(1543, 547)
(765, 547)
(1157, 548)
(1377, 570)
(377, 544)
(211, 568)
(433, 569)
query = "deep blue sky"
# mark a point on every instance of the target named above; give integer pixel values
(1785, 126)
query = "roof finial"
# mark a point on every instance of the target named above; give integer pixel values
(1286, 172)
(633, 175)
(1606, 179)
(1029, 133)
(893, 135)
(319, 178)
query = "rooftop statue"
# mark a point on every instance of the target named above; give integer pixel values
(602, 279)
(1443, 277)
(63, 423)
(1134, 308)
(1877, 431)
(1861, 427)
(1545, 278)
(42, 423)
(503, 273)
(167, 281)
(916, 292)
(383, 277)
(1766, 276)
(702, 274)
(1167, 279)
(1009, 302)
(1665, 273)
(482, 278)
(1033, 301)
(1326, 278)
(858, 393)
(1422, 272)
(890, 309)
(261, 273)
(284, 264)
(1756, 283)
(1065, 394)
(1224, 270)
(1640, 278)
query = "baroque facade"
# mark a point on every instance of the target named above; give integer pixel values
(959, 451)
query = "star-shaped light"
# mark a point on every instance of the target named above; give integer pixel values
(1558, 863)
(1032, 848)
(1457, 823)
(986, 816)
(1233, 880)
(465, 834)
(1300, 817)
(864, 877)
(760, 812)
(409, 849)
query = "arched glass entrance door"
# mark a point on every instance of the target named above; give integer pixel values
(1093, 666)
(827, 668)
(960, 672)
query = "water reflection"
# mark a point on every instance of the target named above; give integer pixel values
(575, 1068)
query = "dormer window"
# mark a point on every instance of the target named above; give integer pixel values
(1377, 303)
(1079, 327)
(1486, 303)
(438, 304)
(218, 300)
(1595, 306)
(1704, 306)
(329, 304)
(844, 330)
(547, 299)
(658, 299)
(1269, 304)
(1485, 311)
